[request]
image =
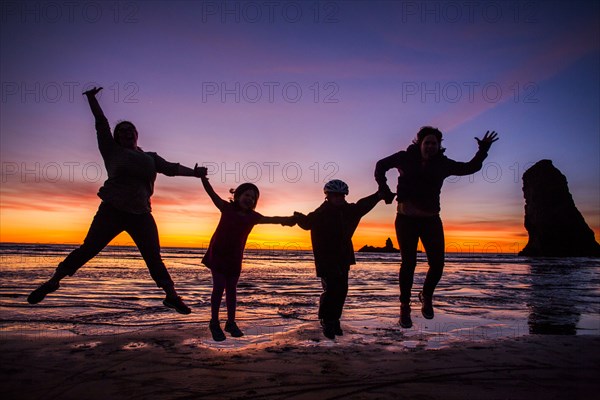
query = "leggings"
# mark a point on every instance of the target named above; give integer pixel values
(107, 224)
(227, 283)
(431, 233)
(335, 290)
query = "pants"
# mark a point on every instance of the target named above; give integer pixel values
(335, 289)
(431, 232)
(227, 283)
(107, 224)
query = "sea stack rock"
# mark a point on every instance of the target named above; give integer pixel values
(389, 248)
(556, 228)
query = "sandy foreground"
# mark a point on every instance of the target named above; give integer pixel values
(175, 364)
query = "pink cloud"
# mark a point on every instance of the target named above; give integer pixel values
(48, 196)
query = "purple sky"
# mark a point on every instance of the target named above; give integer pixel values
(290, 93)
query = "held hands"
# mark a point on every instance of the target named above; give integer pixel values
(386, 194)
(488, 139)
(93, 91)
(289, 221)
(298, 217)
(200, 172)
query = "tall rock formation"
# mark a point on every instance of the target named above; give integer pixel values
(556, 228)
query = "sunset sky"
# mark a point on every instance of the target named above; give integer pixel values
(290, 94)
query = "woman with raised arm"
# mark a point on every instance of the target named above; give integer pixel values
(422, 168)
(125, 206)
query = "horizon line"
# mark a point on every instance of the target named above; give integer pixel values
(247, 249)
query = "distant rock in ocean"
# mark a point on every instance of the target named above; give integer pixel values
(556, 228)
(389, 248)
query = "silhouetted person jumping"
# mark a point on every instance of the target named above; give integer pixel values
(331, 227)
(226, 249)
(422, 168)
(125, 206)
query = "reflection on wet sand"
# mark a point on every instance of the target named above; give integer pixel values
(554, 299)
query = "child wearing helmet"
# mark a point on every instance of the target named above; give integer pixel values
(331, 227)
(226, 249)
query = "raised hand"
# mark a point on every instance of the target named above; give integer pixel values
(93, 91)
(486, 142)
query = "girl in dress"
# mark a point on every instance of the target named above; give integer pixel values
(226, 249)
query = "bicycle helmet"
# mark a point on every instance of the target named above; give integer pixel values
(336, 186)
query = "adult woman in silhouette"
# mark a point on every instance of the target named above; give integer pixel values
(422, 168)
(125, 206)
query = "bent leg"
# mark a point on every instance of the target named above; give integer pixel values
(142, 229)
(106, 225)
(335, 290)
(325, 300)
(341, 292)
(432, 236)
(408, 238)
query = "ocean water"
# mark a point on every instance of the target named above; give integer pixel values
(481, 297)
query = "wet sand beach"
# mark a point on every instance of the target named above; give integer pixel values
(182, 364)
(505, 327)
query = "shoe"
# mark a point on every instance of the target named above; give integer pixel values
(328, 329)
(38, 294)
(337, 328)
(233, 329)
(216, 331)
(405, 320)
(426, 306)
(177, 304)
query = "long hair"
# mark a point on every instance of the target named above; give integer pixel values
(237, 192)
(422, 134)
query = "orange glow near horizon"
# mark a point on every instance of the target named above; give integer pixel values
(70, 228)
(191, 220)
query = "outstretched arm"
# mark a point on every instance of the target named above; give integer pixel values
(366, 204)
(219, 202)
(182, 170)
(285, 221)
(303, 221)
